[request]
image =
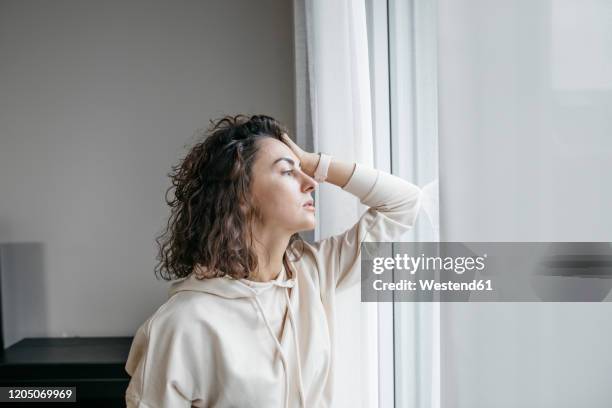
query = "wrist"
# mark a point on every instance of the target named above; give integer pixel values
(320, 173)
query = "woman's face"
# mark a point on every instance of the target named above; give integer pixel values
(281, 189)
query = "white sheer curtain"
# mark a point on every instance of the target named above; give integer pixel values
(332, 57)
(362, 107)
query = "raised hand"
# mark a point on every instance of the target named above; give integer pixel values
(308, 160)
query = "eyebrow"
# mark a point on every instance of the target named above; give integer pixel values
(287, 159)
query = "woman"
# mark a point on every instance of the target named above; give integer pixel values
(246, 325)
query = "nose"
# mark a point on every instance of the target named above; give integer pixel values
(308, 183)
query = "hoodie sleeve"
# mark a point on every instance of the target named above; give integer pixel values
(394, 206)
(160, 370)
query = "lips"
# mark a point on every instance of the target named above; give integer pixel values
(309, 204)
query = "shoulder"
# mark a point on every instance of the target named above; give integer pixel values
(183, 312)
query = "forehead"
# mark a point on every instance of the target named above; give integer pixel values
(271, 149)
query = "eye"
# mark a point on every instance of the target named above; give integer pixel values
(288, 171)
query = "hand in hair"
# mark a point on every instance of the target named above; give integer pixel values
(308, 161)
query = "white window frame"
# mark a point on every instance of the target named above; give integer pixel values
(402, 37)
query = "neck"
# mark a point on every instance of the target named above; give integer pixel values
(270, 247)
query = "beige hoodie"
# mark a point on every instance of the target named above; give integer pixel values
(224, 342)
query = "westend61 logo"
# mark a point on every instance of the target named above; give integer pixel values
(428, 263)
(486, 271)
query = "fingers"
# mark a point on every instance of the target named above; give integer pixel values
(288, 140)
(296, 149)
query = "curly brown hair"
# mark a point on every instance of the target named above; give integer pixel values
(211, 212)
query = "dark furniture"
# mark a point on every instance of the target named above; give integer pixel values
(94, 365)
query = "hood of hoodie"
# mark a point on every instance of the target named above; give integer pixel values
(228, 287)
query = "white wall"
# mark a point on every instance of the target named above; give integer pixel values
(525, 91)
(97, 100)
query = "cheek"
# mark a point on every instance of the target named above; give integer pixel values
(280, 201)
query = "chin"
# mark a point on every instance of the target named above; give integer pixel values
(306, 227)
